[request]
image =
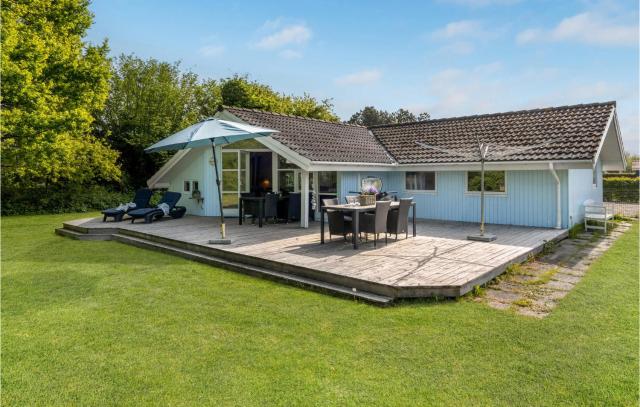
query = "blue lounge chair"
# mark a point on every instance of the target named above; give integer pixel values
(151, 214)
(141, 199)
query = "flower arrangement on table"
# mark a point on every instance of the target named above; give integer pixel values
(368, 195)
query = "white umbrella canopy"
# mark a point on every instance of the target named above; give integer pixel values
(207, 132)
(211, 132)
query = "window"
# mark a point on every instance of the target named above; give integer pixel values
(420, 181)
(594, 178)
(187, 186)
(195, 185)
(286, 181)
(327, 182)
(287, 175)
(494, 182)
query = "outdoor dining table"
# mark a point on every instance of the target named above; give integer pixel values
(354, 211)
(259, 199)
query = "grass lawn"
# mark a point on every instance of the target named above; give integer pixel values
(102, 323)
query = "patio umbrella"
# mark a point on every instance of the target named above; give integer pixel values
(211, 132)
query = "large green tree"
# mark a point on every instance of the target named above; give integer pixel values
(53, 83)
(239, 91)
(148, 101)
(370, 116)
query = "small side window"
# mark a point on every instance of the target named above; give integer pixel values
(196, 186)
(187, 186)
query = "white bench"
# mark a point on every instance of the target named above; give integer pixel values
(596, 214)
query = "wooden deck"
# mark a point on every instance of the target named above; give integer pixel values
(439, 261)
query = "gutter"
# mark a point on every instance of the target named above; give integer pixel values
(558, 197)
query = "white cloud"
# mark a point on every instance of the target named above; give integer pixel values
(212, 50)
(481, 3)
(297, 34)
(588, 28)
(365, 77)
(462, 37)
(488, 69)
(290, 54)
(467, 91)
(459, 48)
(456, 29)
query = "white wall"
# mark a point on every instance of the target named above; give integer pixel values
(190, 168)
(580, 189)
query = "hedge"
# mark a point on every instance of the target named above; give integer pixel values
(61, 200)
(621, 189)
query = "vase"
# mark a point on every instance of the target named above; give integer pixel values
(367, 200)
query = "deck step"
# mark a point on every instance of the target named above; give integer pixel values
(73, 234)
(256, 271)
(93, 231)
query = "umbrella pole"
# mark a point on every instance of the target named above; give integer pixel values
(223, 239)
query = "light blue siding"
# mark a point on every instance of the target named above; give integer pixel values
(530, 199)
(580, 189)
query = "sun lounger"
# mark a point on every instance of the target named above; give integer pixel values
(169, 201)
(141, 200)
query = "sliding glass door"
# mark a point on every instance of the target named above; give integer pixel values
(235, 179)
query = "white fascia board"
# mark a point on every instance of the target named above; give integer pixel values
(504, 166)
(620, 144)
(164, 170)
(273, 145)
(613, 121)
(284, 151)
(346, 166)
(603, 137)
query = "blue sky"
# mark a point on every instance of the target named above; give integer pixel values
(447, 57)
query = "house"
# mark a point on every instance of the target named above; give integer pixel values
(562, 154)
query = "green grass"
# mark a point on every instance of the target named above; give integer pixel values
(101, 323)
(543, 278)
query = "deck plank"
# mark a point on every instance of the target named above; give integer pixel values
(439, 256)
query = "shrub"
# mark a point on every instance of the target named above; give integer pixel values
(576, 230)
(40, 201)
(621, 189)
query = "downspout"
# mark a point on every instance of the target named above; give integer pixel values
(558, 197)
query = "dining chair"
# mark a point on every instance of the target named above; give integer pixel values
(398, 219)
(375, 223)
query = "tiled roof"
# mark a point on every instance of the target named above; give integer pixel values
(318, 140)
(566, 133)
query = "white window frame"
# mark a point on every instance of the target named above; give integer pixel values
(492, 193)
(277, 170)
(433, 191)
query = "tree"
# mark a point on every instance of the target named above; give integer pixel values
(52, 85)
(239, 91)
(370, 116)
(150, 100)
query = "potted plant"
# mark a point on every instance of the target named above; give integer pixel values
(368, 195)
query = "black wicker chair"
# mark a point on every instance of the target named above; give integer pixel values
(398, 219)
(338, 224)
(376, 223)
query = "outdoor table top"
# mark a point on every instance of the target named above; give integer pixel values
(359, 208)
(355, 232)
